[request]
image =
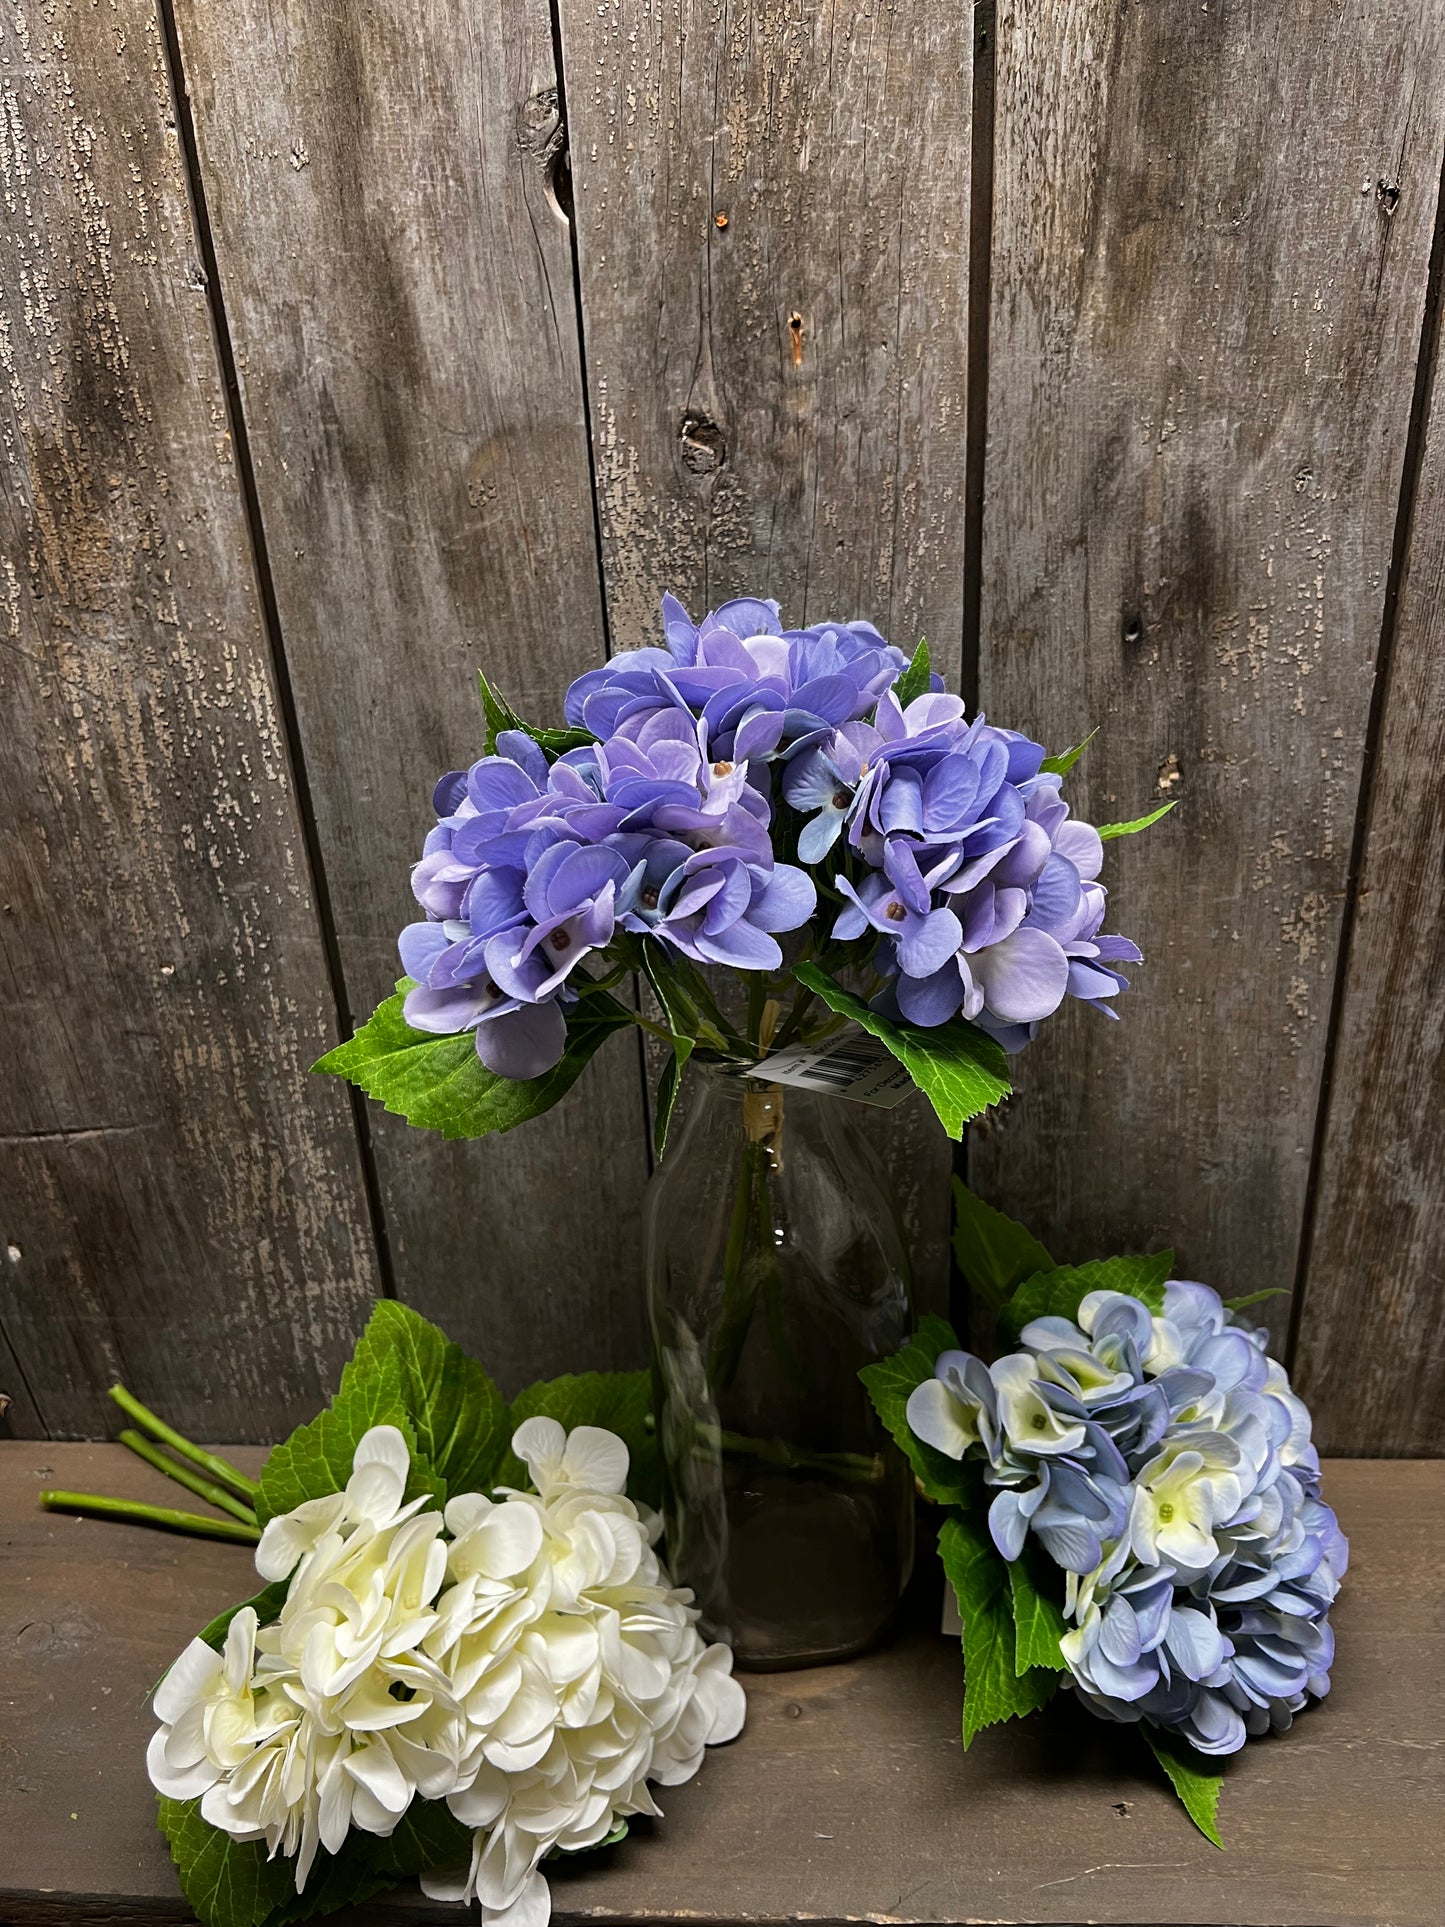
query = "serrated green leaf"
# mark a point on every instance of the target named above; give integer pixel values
(335, 1881)
(1062, 764)
(917, 678)
(440, 1084)
(1039, 1623)
(1254, 1298)
(1107, 830)
(500, 715)
(1058, 1294)
(427, 1839)
(459, 1417)
(619, 1401)
(267, 1604)
(993, 1251)
(890, 1383)
(228, 1883)
(316, 1459)
(979, 1574)
(959, 1068)
(1197, 1784)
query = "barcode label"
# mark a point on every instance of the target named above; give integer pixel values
(854, 1065)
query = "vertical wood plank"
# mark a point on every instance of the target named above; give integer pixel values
(382, 185)
(182, 1207)
(1211, 235)
(1370, 1355)
(772, 215)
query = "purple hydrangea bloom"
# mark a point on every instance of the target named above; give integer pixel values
(1166, 1467)
(534, 867)
(761, 690)
(985, 892)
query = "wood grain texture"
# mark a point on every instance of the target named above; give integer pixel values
(1211, 235)
(1370, 1357)
(399, 287)
(848, 1796)
(182, 1206)
(773, 252)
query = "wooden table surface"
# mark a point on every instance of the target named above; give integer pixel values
(848, 1797)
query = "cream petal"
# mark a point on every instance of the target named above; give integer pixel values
(177, 1782)
(595, 1459)
(540, 1444)
(195, 1673)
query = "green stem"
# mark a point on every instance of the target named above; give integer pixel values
(739, 1292)
(855, 1467)
(213, 1466)
(646, 1023)
(96, 1505)
(203, 1488)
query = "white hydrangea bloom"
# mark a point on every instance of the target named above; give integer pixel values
(535, 1669)
(578, 1666)
(330, 1717)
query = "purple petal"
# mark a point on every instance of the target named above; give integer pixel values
(420, 945)
(925, 944)
(1081, 844)
(934, 999)
(445, 1012)
(523, 1043)
(1023, 978)
(742, 945)
(787, 900)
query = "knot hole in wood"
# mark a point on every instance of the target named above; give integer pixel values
(703, 444)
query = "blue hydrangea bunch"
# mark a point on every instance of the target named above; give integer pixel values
(1165, 1466)
(734, 777)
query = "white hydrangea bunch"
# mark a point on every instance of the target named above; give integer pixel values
(525, 1657)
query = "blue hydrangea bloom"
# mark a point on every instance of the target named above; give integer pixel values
(1165, 1465)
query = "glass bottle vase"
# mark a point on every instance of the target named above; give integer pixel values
(775, 1272)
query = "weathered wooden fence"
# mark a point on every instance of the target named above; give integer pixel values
(349, 350)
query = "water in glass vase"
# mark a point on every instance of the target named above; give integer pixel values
(775, 1273)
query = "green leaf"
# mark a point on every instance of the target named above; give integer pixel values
(228, 1883)
(459, 1417)
(917, 678)
(1106, 830)
(668, 1086)
(440, 1084)
(959, 1068)
(316, 1459)
(992, 1689)
(890, 1384)
(427, 1840)
(1039, 1623)
(1197, 1784)
(993, 1251)
(1058, 1294)
(619, 1401)
(1061, 765)
(335, 1881)
(500, 715)
(1254, 1298)
(681, 1022)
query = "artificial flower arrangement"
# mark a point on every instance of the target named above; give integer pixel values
(1131, 1502)
(742, 784)
(468, 1657)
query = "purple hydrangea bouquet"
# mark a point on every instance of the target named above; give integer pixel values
(743, 784)
(790, 837)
